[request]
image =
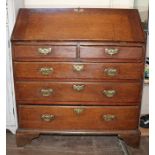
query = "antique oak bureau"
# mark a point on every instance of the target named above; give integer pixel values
(78, 71)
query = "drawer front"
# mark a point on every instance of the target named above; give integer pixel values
(78, 118)
(54, 70)
(105, 92)
(43, 52)
(110, 52)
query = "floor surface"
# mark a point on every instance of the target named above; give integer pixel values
(74, 145)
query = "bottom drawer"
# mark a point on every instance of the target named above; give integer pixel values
(78, 118)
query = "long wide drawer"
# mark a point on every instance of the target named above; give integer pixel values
(78, 117)
(43, 52)
(105, 92)
(116, 53)
(66, 70)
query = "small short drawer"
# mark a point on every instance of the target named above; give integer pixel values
(116, 53)
(43, 52)
(67, 70)
(111, 93)
(78, 118)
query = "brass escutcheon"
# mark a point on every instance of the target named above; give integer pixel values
(78, 87)
(78, 111)
(111, 51)
(44, 51)
(78, 67)
(78, 10)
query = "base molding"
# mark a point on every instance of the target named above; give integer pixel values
(130, 137)
(25, 137)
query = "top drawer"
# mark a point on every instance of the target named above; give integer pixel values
(112, 53)
(41, 52)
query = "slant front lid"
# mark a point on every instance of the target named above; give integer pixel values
(78, 25)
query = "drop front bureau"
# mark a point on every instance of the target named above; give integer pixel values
(78, 71)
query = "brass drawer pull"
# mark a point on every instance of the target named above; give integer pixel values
(78, 87)
(108, 117)
(78, 111)
(46, 70)
(47, 117)
(46, 92)
(78, 67)
(45, 51)
(109, 93)
(111, 51)
(110, 71)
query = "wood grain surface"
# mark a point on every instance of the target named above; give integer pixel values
(54, 97)
(92, 92)
(68, 24)
(91, 118)
(66, 70)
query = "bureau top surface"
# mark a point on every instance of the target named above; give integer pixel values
(108, 25)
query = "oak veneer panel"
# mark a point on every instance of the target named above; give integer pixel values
(67, 24)
(57, 52)
(78, 36)
(65, 70)
(63, 91)
(90, 119)
(98, 52)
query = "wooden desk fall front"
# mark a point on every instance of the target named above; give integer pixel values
(78, 71)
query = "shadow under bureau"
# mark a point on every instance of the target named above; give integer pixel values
(78, 71)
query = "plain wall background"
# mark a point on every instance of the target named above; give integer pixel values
(79, 3)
